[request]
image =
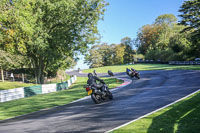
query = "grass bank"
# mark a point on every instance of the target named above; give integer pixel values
(35, 103)
(11, 85)
(141, 67)
(182, 117)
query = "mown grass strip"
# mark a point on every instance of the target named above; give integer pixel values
(23, 106)
(181, 117)
(141, 67)
(11, 85)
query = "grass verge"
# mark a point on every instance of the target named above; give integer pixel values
(23, 106)
(182, 117)
(140, 67)
(11, 85)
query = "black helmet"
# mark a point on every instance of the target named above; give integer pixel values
(90, 75)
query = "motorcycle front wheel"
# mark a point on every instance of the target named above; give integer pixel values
(137, 76)
(96, 98)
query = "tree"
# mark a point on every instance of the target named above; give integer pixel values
(148, 37)
(119, 54)
(191, 18)
(166, 22)
(165, 19)
(100, 55)
(94, 58)
(48, 32)
(157, 36)
(128, 52)
(9, 61)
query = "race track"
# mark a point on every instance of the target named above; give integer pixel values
(154, 90)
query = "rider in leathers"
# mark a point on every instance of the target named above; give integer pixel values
(92, 82)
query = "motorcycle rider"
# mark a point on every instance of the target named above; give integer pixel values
(128, 71)
(92, 82)
(94, 72)
(110, 73)
(133, 70)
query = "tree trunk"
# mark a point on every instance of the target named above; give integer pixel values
(22, 77)
(39, 71)
(2, 76)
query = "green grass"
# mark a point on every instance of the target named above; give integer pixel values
(140, 67)
(182, 117)
(35, 103)
(11, 85)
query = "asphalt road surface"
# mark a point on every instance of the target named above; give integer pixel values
(154, 90)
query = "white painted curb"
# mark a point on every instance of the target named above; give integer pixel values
(152, 112)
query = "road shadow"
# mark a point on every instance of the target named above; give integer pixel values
(181, 118)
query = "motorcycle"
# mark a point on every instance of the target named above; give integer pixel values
(134, 74)
(97, 95)
(110, 73)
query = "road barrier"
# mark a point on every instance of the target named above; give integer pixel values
(11, 94)
(33, 90)
(184, 62)
(17, 93)
(61, 86)
(48, 88)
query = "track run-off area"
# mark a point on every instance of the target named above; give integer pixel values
(154, 90)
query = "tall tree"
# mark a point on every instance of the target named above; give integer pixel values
(166, 23)
(165, 19)
(128, 51)
(94, 58)
(157, 35)
(49, 31)
(148, 37)
(119, 54)
(100, 55)
(191, 18)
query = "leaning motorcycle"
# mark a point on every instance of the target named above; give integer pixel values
(134, 74)
(97, 95)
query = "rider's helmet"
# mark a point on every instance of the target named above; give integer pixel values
(90, 75)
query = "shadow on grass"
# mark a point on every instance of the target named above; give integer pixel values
(181, 118)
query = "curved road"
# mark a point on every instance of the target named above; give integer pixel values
(154, 90)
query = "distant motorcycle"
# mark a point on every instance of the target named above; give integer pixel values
(133, 73)
(136, 74)
(97, 95)
(110, 73)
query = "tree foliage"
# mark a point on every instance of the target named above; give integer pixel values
(191, 18)
(49, 32)
(128, 51)
(113, 54)
(163, 41)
